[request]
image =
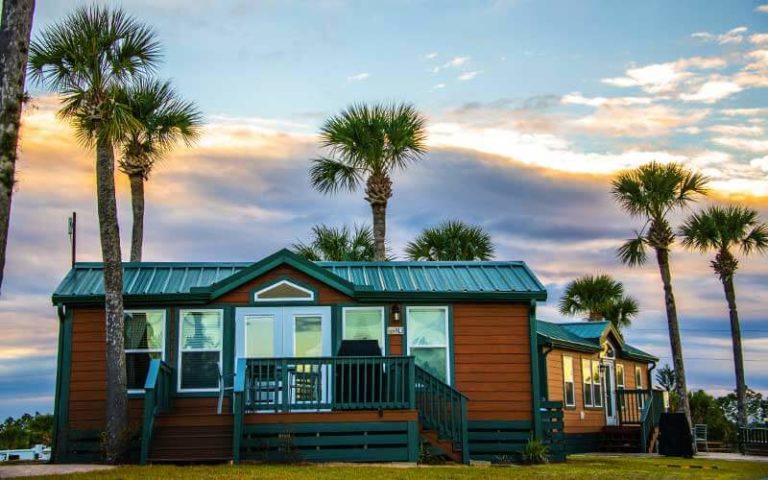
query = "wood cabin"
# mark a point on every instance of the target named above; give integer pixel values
(604, 385)
(291, 360)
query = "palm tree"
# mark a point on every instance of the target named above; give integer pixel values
(89, 58)
(452, 240)
(651, 192)
(724, 229)
(15, 27)
(337, 244)
(164, 119)
(367, 144)
(599, 297)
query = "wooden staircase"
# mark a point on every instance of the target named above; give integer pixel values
(625, 439)
(441, 447)
(191, 438)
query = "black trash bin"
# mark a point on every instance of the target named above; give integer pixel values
(358, 384)
(675, 438)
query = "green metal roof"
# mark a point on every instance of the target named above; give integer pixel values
(587, 329)
(205, 281)
(585, 336)
(556, 334)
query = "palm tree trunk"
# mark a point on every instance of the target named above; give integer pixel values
(738, 355)
(379, 211)
(15, 27)
(662, 256)
(117, 396)
(137, 203)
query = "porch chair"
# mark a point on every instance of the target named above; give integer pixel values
(700, 436)
(223, 387)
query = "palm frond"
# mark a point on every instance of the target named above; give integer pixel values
(722, 228)
(621, 312)
(632, 252)
(330, 176)
(588, 295)
(452, 240)
(337, 244)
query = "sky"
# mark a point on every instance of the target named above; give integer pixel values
(532, 108)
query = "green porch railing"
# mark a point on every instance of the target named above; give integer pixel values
(753, 440)
(630, 405)
(157, 399)
(326, 383)
(649, 417)
(442, 409)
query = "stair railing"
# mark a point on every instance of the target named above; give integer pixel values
(649, 417)
(157, 399)
(631, 404)
(442, 409)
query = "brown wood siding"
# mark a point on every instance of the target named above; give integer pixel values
(325, 294)
(492, 363)
(88, 384)
(323, 417)
(581, 419)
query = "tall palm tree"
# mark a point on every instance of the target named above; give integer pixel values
(452, 240)
(15, 28)
(337, 244)
(599, 297)
(164, 119)
(367, 143)
(89, 58)
(651, 192)
(724, 229)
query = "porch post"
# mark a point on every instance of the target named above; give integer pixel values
(535, 385)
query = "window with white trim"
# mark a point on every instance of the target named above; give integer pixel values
(586, 379)
(597, 384)
(144, 339)
(620, 382)
(428, 339)
(569, 387)
(364, 323)
(638, 377)
(200, 349)
(284, 291)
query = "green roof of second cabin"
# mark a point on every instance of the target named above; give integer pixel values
(204, 281)
(587, 337)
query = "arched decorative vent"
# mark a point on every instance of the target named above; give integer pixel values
(608, 351)
(284, 291)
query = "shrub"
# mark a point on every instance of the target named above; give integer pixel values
(535, 452)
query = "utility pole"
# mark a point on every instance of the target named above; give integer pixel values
(73, 236)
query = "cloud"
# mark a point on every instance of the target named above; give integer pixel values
(733, 36)
(762, 8)
(736, 130)
(431, 55)
(711, 92)
(576, 98)
(745, 112)
(438, 86)
(759, 38)
(637, 121)
(738, 143)
(469, 75)
(454, 62)
(666, 77)
(359, 77)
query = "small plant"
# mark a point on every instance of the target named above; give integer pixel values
(428, 457)
(535, 452)
(503, 460)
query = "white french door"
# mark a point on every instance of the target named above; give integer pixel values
(286, 332)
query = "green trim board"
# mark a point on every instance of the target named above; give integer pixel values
(534, 356)
(197, 283)
(587, 337)
(283, 278)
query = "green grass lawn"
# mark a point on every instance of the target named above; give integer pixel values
(576, 468)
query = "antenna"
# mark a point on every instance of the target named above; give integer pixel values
(73, 236)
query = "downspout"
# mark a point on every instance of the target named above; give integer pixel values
(544, 372)
(650, 380)
(55, 457)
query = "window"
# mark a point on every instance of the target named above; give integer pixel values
(200, 342)
(428, 339)
(144, 337)
(586, 378)
(569, 392)
(619, 376)
(597, 384)
(363, 323)
(284, 291)
(638, 378)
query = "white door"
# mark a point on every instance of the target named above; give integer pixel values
(609, 389)
(286, 332)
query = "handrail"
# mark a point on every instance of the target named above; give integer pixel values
(753, 440)
(631, 404)
(649, 418)
(443, 409)
(157, 399)
(326, 383)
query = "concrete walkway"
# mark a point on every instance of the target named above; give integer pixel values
(700, 456)
(36, 470)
